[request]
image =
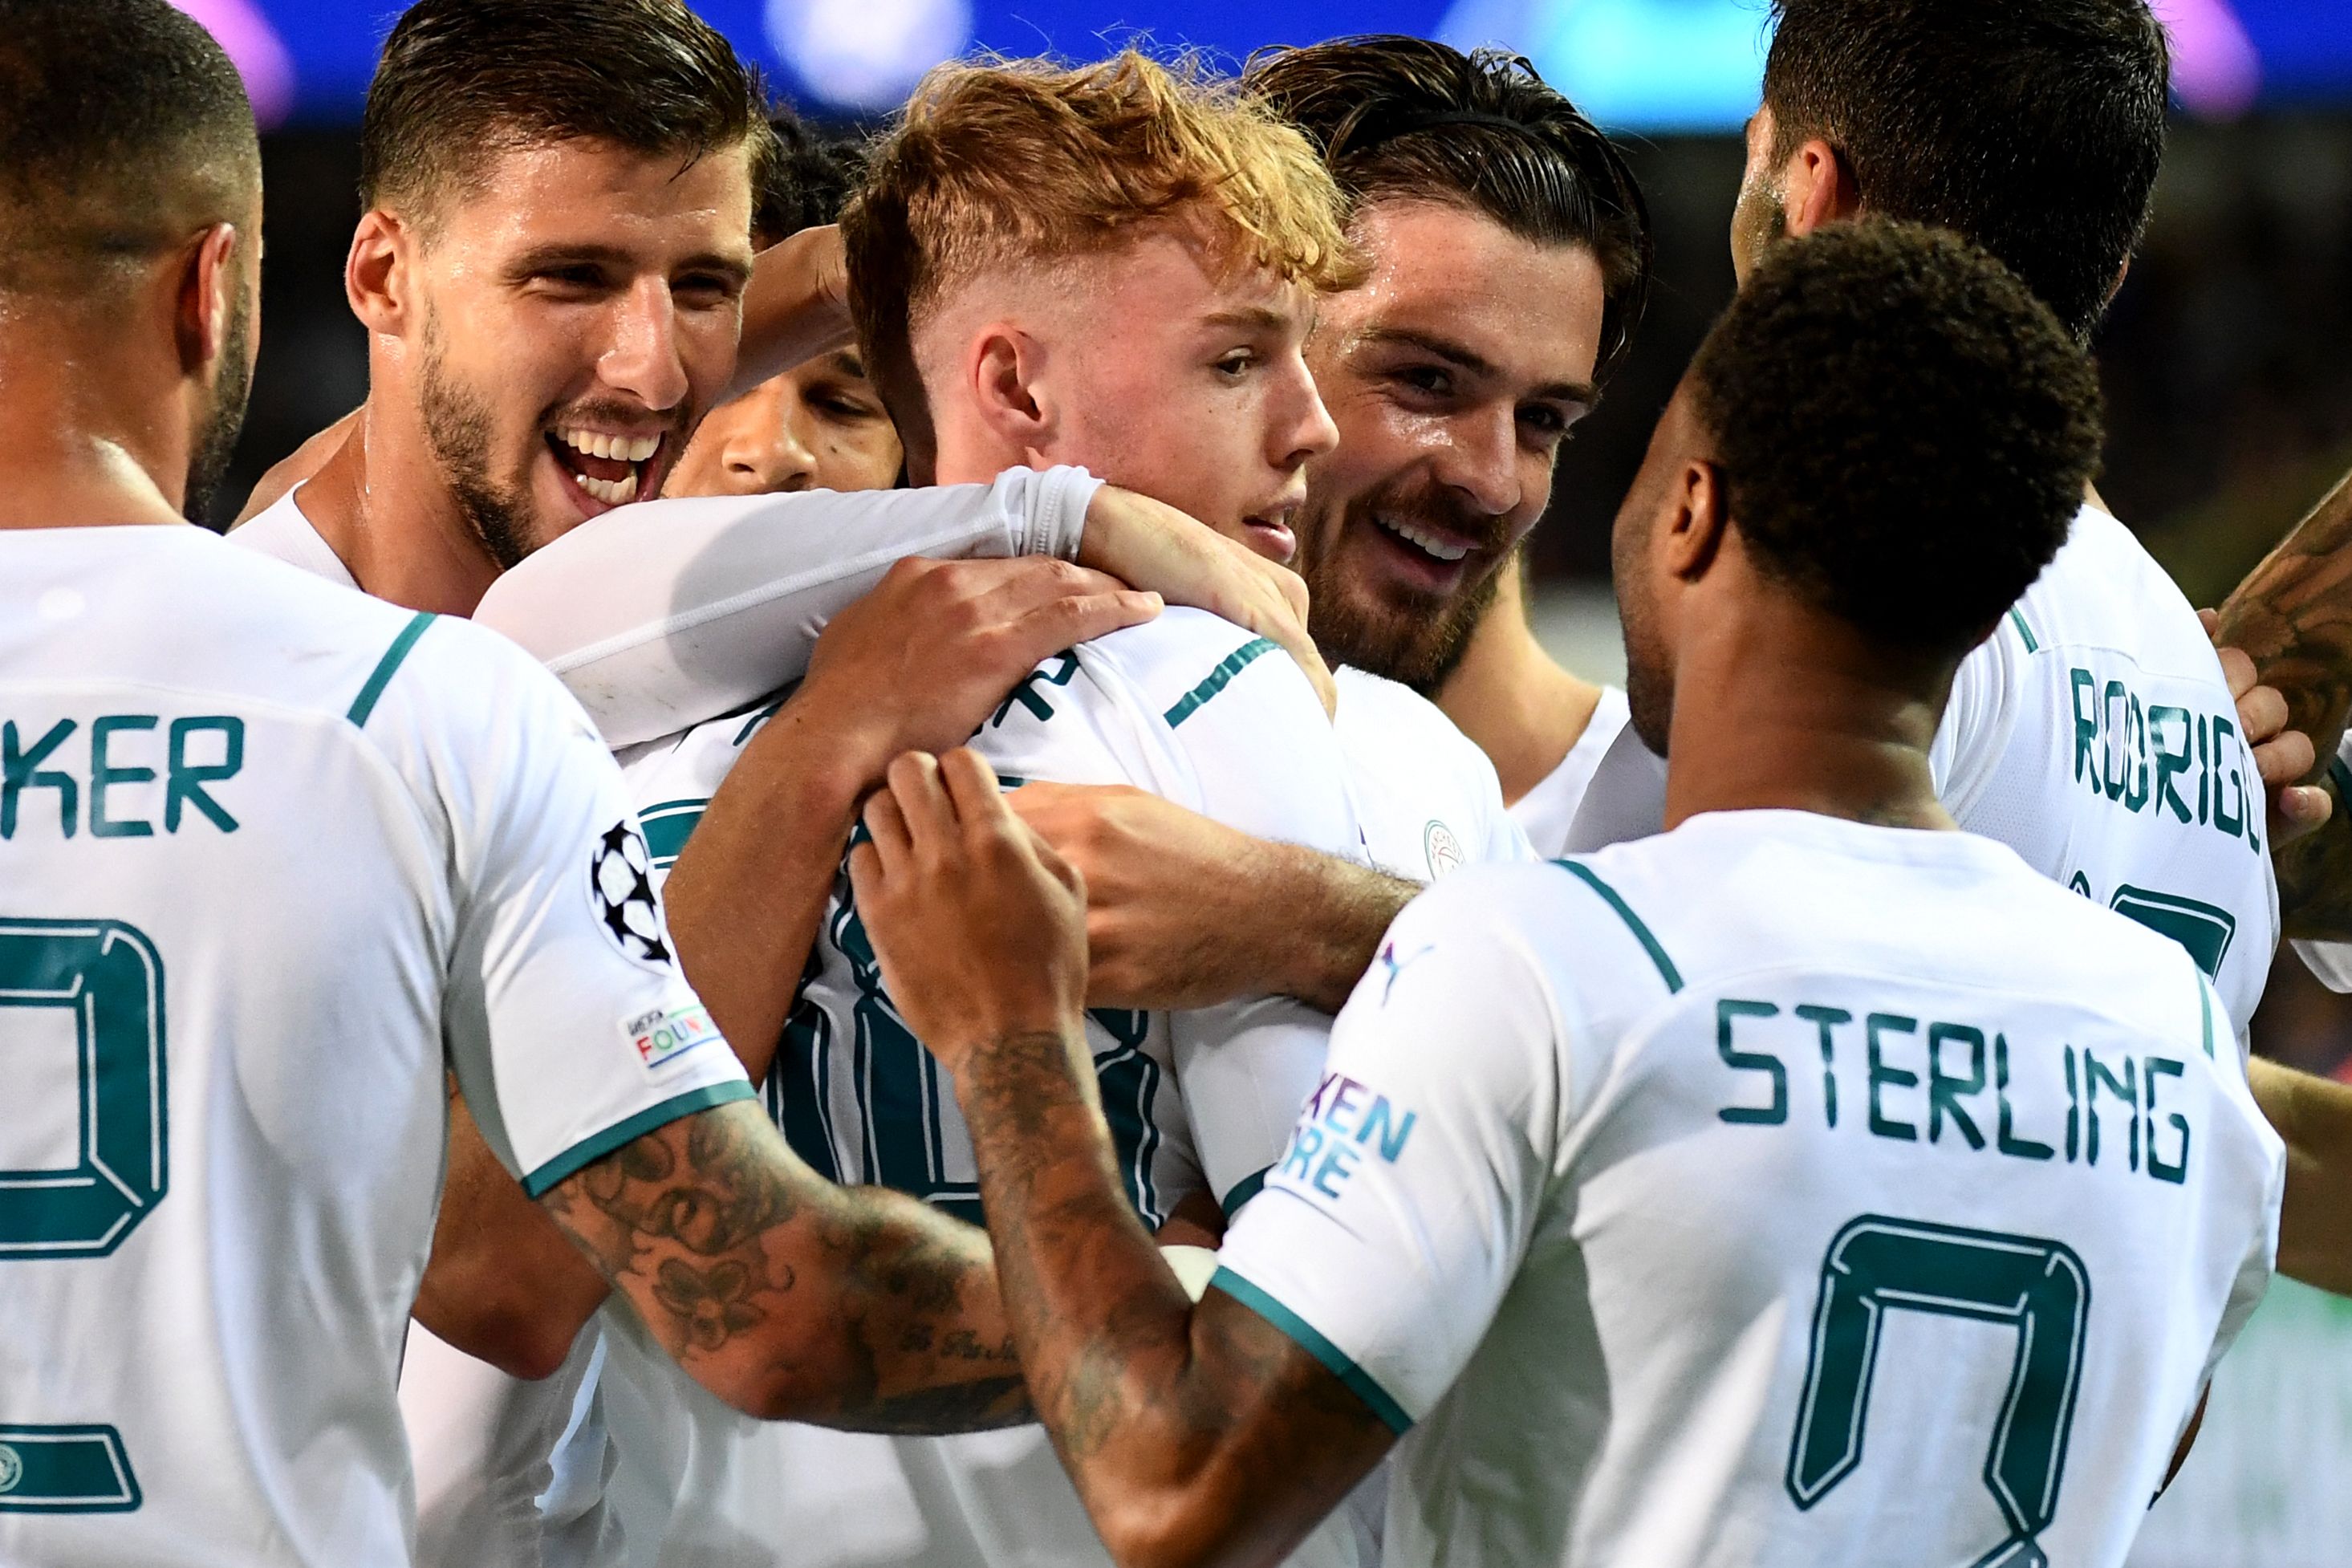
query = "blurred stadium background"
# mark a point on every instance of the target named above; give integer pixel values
(2230, 397)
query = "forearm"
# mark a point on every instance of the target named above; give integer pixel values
(663, 614)
(1103, 1326)
(2292, 614)
(2315, 1116)
(795, 308)
(502, 1283)
(1322, 923)
(748, 895)
(1196, 1434)
(787, 1297)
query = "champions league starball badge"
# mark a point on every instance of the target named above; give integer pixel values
(621, 887)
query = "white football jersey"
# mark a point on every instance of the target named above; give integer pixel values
(2094, 733)
(1426, 796)
(282, 532)
(1189, 707)
(1778, 1191)
(1547, 812)
(277, 856)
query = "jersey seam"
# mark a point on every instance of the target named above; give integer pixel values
(387, 667)
(1650, 944)
(1307, 1337)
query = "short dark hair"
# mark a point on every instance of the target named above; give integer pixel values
(1398, 115)
(808, 181)
(1904, 431)
(121, 121)
(463, 81)
(2033, 127)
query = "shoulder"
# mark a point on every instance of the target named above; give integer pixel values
(1184, 660)
(2105, 591)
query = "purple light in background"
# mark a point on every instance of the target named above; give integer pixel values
(2216, 71)
(254, 47)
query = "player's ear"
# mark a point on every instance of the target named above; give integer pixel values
(1701, 511)
(376, 273)
(1003, 367)
(206, 298)
(1817, 188)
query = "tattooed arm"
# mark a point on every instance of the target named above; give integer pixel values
(1196, 1434)
(2292, 614)
(789, 1297)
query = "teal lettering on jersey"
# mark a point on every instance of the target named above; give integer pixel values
(1343, 1121)
(122, 760)
(1961, 1078)
(1030, 694)
(2160, 759)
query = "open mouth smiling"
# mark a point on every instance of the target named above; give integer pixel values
(608, 471)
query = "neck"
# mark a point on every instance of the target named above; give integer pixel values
(965, 457)
(383, 504)
(1508, 695)
(78, 454)
(1777, 707)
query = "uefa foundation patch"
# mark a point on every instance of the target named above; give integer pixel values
(661, 1037)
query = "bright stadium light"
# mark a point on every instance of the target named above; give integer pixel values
(866, 54)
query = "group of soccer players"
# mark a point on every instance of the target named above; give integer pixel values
(854, 1081)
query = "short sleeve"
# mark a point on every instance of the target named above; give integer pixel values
(1387, 1234)
(569, 1024)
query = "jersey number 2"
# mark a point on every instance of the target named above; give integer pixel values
(1875, 1266)
(95, 988)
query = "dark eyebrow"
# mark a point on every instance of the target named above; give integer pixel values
(554, 257)
(1463, 357)
(847, 363)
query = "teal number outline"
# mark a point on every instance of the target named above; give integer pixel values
(1875, 1264)
(2170, 914)
(110, 977)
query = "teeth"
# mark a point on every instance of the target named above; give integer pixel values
(595, 443)
(1423, 542)
(612, 492)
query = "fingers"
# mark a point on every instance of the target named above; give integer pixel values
(886, 824)
(2237, 670)
(2301, 809)
(1064, 623)
(2211, 621)
(2288, 758)
(2262, 716)
(930, 824)
(970, 788)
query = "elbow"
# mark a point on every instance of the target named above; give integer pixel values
(530, 1345)
(1163, 1527)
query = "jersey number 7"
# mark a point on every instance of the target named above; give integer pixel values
(1875, 1266)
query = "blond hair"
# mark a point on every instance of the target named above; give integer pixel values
(998, 163)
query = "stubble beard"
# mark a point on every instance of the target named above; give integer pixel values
(1418, 643)
(215, 437)
(457, 425)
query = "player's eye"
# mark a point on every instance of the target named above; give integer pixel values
(1434, 381)
(1238, 363)
(705, 290)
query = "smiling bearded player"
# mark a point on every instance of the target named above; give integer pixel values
(1598, 1217)
(1118, 266)
(1510, 259)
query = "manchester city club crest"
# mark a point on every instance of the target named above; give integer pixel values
(1445, 850)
